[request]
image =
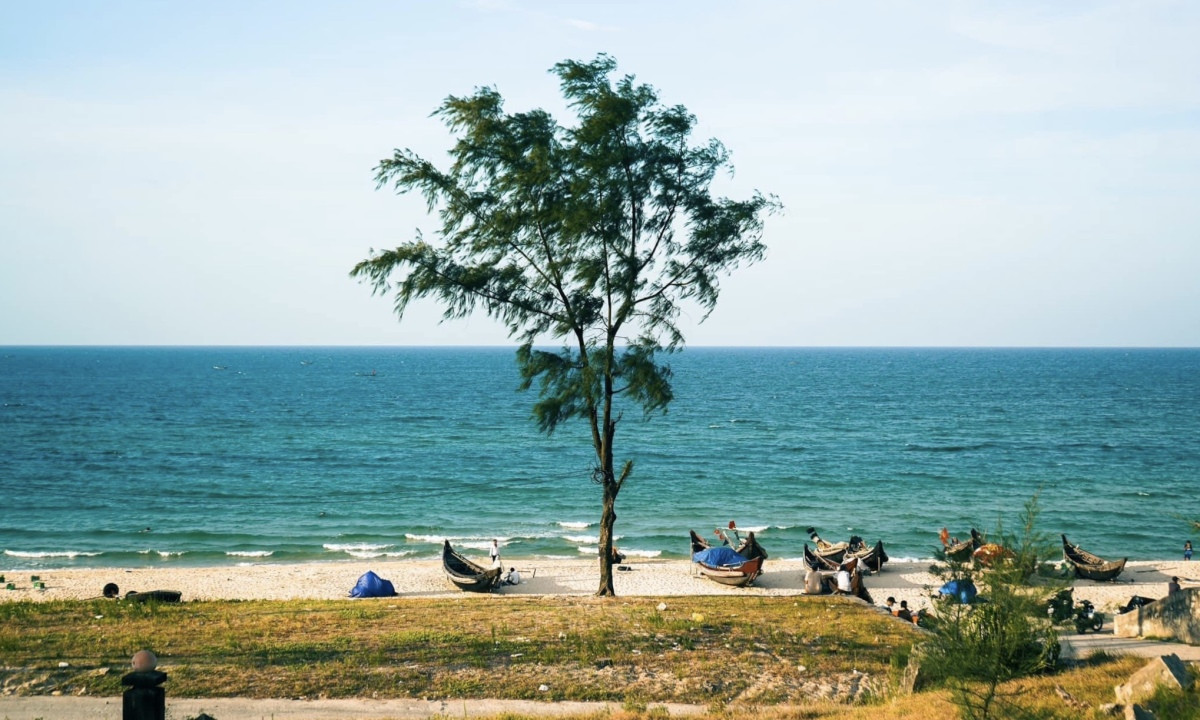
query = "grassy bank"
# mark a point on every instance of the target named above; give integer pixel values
(719, 653)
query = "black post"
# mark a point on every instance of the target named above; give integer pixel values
(145, 699)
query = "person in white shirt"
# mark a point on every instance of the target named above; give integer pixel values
(843, 581)
(495, 553)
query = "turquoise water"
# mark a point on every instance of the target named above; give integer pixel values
(209, 456)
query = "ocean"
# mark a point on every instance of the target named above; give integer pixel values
(200, 456)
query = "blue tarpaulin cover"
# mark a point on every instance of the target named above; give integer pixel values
(722, 556)
(371, 585)
(964, 590)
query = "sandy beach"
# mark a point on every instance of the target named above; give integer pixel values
(911, 581)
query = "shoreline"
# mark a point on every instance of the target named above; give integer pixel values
(909, 580)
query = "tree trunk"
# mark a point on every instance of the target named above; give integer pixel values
(608, 519)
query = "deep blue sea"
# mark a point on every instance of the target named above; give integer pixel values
(118, 457)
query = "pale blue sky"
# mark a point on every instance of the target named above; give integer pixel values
(954, 173)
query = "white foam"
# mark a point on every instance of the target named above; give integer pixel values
(60, 554)
(574, 525)
(354, 547)
(250, 553)
(587, 539)
(641, 553)
(162, 553)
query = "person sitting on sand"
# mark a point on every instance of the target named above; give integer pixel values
(618, 557)
(843, 581)
(1173, 586)
(814, 582)
(890, 605)
(903, 612)
(512, 577)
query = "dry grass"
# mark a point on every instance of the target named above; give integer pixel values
(474, 646)
(740, 657)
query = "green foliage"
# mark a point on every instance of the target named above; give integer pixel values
(1003, 636)
(1174, 703)
(594, 236)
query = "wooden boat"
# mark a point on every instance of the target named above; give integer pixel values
(871, 557)
(737, 575)
(1089, 566)
(749, 548)
(829, 552)
(988, 554)
(962, 551)
(467, 575)
(818, 562)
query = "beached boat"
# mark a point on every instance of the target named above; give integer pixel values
(749, 548)
(465, 574)
(828, 552)
(961, 551)
(817, 562)
(870, 556)
(728, 566)
(1089, 566)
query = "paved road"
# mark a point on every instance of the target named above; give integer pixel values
(1080, 646)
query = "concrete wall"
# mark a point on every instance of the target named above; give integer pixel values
(1175, 617)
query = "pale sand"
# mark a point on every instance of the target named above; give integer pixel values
(909, 581)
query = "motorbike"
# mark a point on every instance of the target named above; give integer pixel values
(1087, 617)
(1062, 608)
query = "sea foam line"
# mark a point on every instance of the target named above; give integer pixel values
(354, 547)
(51, 554)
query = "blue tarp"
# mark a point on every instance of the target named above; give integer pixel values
(371, 585)
(964, 590)
(722, 556)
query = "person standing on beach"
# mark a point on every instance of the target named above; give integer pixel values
(495, 553)
(1187, 549)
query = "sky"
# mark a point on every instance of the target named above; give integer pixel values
(953, 173)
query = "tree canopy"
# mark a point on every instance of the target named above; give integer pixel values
(594, 236)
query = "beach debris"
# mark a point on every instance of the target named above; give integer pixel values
(662, 606)
(64, 664)
(697, 617)
(543, 688)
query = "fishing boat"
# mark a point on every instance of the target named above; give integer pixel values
(817, 562)
(828, 552)
(725, 565)
(961, 551)
(749, 548)
(1089, 566)
(467, 575)
(869, 556)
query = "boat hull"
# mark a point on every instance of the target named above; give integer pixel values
(466, 575)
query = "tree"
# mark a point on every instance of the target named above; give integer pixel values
(976, 648)
(595, 236)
